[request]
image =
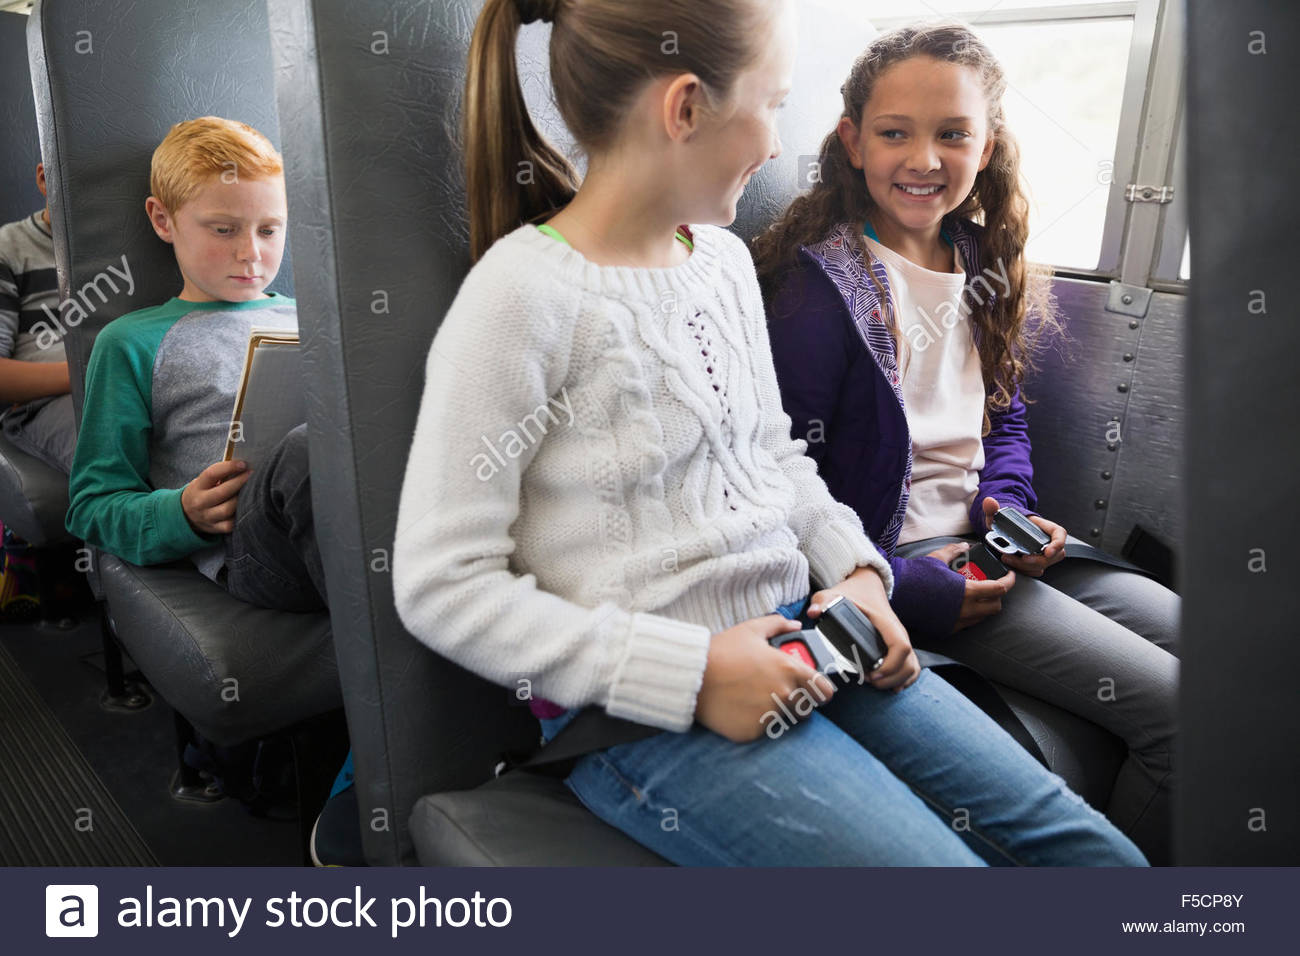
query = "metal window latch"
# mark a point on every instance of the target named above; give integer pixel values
(1136, 193)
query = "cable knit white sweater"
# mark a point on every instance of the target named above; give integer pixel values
(602, 476)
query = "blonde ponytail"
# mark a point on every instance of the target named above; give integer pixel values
(602, 54)
(512, 174)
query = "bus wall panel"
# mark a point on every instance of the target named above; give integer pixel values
(1106, 431)
(1149, 478)
(1073, 402)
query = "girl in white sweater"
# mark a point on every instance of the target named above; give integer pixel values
(603, 505)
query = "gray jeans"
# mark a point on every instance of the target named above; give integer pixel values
(45, 429)
(1101, 643)
(272, 559)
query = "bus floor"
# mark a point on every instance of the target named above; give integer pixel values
(134, 753)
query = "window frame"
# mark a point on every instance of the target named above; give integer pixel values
(1139, 239)
(1173, 234)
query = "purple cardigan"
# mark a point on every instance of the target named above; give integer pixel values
(838, 372)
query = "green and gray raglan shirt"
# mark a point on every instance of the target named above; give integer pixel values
(160, 388)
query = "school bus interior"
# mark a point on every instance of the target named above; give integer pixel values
(132, 666)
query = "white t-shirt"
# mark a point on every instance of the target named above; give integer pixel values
(943, 394)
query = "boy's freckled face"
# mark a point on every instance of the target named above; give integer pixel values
(229, 239)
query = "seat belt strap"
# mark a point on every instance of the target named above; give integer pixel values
(1088, 553)
(593, 729)
(975, 687)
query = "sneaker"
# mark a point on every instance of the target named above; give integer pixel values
(336, 835)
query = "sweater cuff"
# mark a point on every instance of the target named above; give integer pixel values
(840, 549)
(175, 533)
(659, 679)
(928, 596)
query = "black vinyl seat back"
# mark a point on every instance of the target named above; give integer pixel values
(370, 101)
(1237, 753)
(111, 77)
(33, 496)
(370, 94)
(20, 147)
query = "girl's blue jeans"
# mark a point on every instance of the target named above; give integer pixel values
(870, 778)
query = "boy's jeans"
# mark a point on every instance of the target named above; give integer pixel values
(272, 559)
(871, 778)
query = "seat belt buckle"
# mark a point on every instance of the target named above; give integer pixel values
(852, 634)
(978, 564)
(812, 647)
(1013, 534)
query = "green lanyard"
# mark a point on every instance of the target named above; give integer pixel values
(554, 233)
